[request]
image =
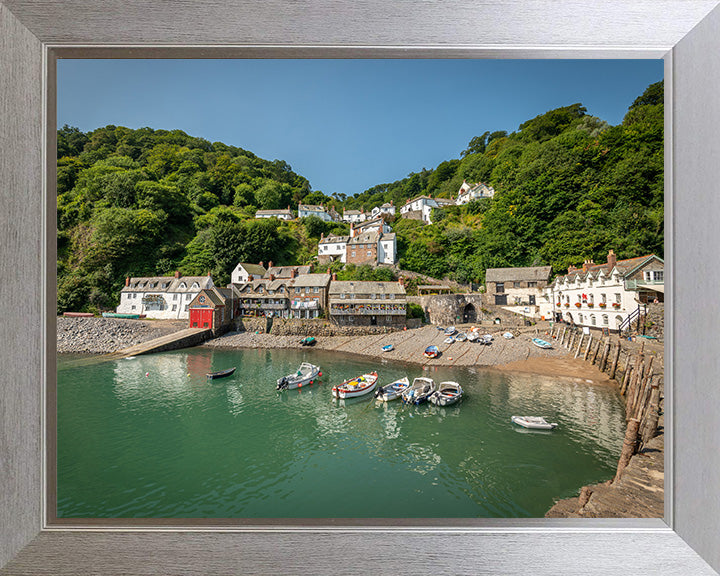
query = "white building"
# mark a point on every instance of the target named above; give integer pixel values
(305, 210)
(468, 193)
(279, 214)
(332, 248)
(376, 224)
(354, 216)
(603, 296)
(387, 209)
(245, 272)
(387, 249)
(161, 297)
(423, 206)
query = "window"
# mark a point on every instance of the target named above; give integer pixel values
(352, 254)
(618, 297)
(369, 252)
(580, 318)
(603, 298)
(532, 284)
(175, 296)
(132, 307)
(135, 295)
(342, 295)
(500, 287)
(188, 296)
(316, 289)
(174, 307)
(605, 320)
(186, 307)
(593, 321)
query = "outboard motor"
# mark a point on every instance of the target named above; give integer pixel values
(379, 391)
(283, 383)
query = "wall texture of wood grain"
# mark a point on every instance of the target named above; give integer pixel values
(20, 271)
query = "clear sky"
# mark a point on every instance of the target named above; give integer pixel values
(345, 125)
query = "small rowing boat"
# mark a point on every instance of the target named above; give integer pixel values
(473, 336)
(308, 341)
(449, 340)
(431, 351)
(450, 330)
(541, 343)
(461, 337)
(306, 374)
(419, 391)
(356, 386)
(508, 335)
(447, 393)
(387, 348)
(221, 373)
(533, 422)
(392, 391)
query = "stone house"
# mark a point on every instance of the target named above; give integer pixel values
(363, 249)
(387, 209)
(371, 243)
(161, 297)
(424, 206)
(354, 216)
(605, 295)
(332, 248)
(213, 308)
(264, 297)
(286, 271)
(516, 286)
(352, 303)
(308, 294)
(378, 224)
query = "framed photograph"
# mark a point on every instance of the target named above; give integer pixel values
(683, 542)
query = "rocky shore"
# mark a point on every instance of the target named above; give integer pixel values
(106, 335)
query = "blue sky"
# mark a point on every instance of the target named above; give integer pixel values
(345, 125)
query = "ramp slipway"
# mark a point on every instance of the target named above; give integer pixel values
(182, 339)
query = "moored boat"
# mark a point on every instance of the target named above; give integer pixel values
(449, 340)
(533, 422)
(461, 337)
(486, 339)
(120, 315)
(541, 343)
(78, 314)
(419, 391)
(305, 375)
(447, 393)
(508, 335)
(392, 391)
(431, 351)
(308, 341)
(221, 373)
(354, 387)
(473, 336)
(387, 348)
(450, 330)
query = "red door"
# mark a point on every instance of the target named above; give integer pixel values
(201, 317)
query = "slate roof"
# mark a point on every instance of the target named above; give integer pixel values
(254, 269)
(332, 239)
(286, 271)
(311, 280)
(529, 273)
(365, 238)
(338, 287)
(172, 284)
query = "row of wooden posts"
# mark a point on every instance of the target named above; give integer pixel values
(640, 384)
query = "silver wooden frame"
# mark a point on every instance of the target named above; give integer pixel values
(685, 32)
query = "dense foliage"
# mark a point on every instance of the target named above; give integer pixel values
(148, 202)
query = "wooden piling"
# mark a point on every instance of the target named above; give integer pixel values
(613, 368)
(650, 426)
(562, 338)
(597, 349)
(571, 341)
(635, 385)
(626, 378)
(587, 349)
(644, 396)
(629, 446)
(577, 352)
(604, 357)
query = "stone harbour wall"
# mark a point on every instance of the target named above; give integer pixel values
(322, 327)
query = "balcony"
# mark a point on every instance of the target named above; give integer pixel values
(367, 309)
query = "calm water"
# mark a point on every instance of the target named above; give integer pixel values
(151, 437)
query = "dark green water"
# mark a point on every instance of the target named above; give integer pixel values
(173, 444)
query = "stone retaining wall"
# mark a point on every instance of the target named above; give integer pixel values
(445, 309)
(321, 327)
(251, 324)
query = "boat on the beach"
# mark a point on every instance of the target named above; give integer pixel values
(449, 340)
(308, 341)
(486, 339)
(392, 391)
(508, 335)
(387, 348)
(541, 343)
(441, 328)
(304, 375)
(461, 337)
(473, 336)
(431, 351)
(533, 422)
(120, 315)
(221, 373)
(419, 391)
(447, 393)
(450, 330)
(78, 314)
(354, 387)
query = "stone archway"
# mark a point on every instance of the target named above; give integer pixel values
(469, 314)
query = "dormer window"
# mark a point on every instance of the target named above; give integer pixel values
(183, 286)
(195, 286)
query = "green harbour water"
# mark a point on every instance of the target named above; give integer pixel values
(152, 437)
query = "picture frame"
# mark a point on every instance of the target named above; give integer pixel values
(683, 32)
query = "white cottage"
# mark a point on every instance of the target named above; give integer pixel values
(468, 192)
(605, 295)
(162, 297)
(245, 272)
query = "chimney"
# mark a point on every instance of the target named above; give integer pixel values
(401, 281)
(587, 265)
(611, 260)
(328, 271)
(270, 264)
(352, 230)
(293, 273)
(127, 280)
(262, 264)
(322, 236)
(571, 269)
(177, 273)
(391, 203)
(272, 277)
(334, 277)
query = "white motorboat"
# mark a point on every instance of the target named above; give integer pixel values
(306, 374)
(461, 337)
(447, 393)
(473, 336)
(392, 391)
(449, 340)
(354, 387)
(541, 343)
(419, 391)
(533, 422)
(450, 330)
(508, 335)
